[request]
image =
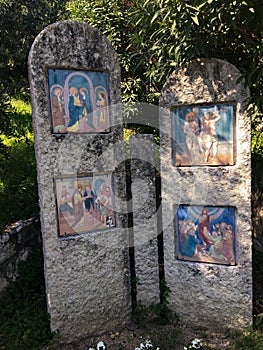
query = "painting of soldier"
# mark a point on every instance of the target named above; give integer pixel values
(203, 135)
(84, 203)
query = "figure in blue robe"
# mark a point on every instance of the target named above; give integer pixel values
(86, 109)
(89, 199)
(188, 245)
(74, 108)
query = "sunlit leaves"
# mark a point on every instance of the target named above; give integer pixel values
(18, 168)
(153, 37)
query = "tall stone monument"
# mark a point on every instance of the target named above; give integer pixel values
(145, 216)
(206, 195)
(75, 89)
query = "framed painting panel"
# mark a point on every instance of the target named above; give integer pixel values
(206, 234)
(79, 101)
(84, 203)
(203, 135)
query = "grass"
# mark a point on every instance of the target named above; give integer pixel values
(24, 323)
(248, 340)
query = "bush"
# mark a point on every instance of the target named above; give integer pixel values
(23, 315)
(18, 185)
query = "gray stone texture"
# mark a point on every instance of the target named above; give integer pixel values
(87, 275)
(144, 219)
(209, 295)
(16, 243)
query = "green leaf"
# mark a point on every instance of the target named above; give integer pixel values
(155, 16)
(173, 27)
(195, 20)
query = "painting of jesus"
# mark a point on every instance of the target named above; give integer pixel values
(79, 101)
(84, 203)
(206, 234)
(203, 135)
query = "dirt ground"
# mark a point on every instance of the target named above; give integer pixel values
(171, 337)
(168, 337)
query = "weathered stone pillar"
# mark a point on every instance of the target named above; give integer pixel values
(206, 194)
(144, 211)
(75, 88)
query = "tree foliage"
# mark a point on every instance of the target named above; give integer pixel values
(21, 21)
(18, 185)
(153, 37)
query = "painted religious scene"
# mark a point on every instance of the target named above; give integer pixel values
(84, 204)
(206, 234)
(203, 135)
(79, 101)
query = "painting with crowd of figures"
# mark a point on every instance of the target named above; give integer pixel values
(206, 234)
(84, 203)
(203, 135)
(79, 101)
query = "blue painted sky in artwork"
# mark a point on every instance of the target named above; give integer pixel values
(228, 215)
(224, 127)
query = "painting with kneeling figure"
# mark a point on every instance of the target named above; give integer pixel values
(203, 135)
(206, 234)
(84, 203)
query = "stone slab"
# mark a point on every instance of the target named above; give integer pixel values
(208, 294)
(87, 274)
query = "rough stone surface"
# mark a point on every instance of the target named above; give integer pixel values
(87, 275)
(202, 294)
(16, 243)
(144, 219)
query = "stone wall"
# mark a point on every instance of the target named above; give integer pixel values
(16, 243)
